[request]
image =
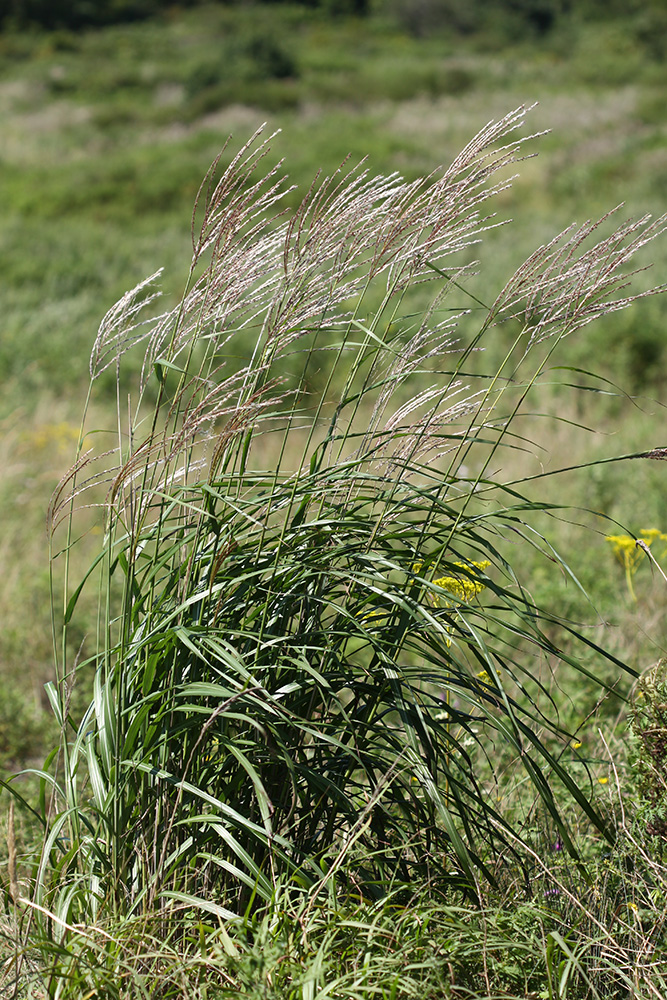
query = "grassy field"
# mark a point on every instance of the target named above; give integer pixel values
(107, 136)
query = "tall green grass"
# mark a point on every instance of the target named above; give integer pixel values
(315, 668)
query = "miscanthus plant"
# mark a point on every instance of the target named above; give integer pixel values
(314, 663)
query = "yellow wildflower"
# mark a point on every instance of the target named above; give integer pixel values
(629, 553)
(463, 588)
(625, 549)
(650, 535)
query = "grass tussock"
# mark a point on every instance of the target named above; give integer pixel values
(317, 683)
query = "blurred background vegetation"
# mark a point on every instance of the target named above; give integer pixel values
(111, 112)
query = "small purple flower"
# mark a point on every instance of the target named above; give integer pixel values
(558, 846)
(551, 892)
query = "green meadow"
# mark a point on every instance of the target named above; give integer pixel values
(331, 664)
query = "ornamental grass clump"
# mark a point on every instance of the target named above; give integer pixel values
(303, 573)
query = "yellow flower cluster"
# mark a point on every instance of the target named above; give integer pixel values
(462, 588)
(650, 535)
(630, 554)
(625, 547)
(626, 551)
